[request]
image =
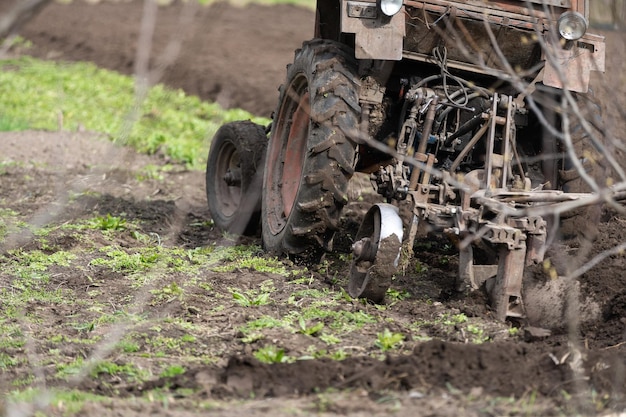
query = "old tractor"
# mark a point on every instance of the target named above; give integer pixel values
(472, 118)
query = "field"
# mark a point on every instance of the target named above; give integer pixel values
(119, 297)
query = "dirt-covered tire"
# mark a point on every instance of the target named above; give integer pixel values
(582, 223)
(312, 150)
(570, 179)
(234, 175)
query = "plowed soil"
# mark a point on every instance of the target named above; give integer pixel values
(455, 358)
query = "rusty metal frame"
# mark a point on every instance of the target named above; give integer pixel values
(376, 36)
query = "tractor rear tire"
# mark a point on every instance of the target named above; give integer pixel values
(582, 223)
(312, 151)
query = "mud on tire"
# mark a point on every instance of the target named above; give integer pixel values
(312, 151)
(583, 222)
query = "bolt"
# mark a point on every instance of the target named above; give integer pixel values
(232, 178)
(362, 249)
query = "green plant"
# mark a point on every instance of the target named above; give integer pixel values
(128, 346)
(110, 368)
(263, 322)
(329, 339)
(172, 371)
(251, 297)
(250, 300)
(168, 293)
(395, 295)
(12, 124)
(309, 330)
(35, 93)
(388, 340)
(455, 319)
(7, 361)
(420, 267)
(108, 222)
(151, 172)
(271, 354)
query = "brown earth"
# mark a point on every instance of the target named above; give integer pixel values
(237, 57)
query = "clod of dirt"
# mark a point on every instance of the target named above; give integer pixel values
(553, 303)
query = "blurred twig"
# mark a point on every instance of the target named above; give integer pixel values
(20, 13)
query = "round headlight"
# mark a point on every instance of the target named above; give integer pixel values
(572, 25)
(390, 7)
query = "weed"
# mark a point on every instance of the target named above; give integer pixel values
(264, 322)
(128, 346)
(394, 295)
(254, 263)
(329, 339)
(66, 370)
(151, 172)
(6, 361)
(477, 334)
(168, 293)
(271, 354)
(309, 330)
(70, 401)
(251, 299)
(172, 371)
(388, 340)
(338, 355)
(121, 261)
(23, 381)
(455, 319)
(111, 368)
(85, 327)
(420, 267)
(252, 337)
(107, 222)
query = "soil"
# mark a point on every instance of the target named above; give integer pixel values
(237, 56)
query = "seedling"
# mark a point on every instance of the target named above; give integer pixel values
(309, 330)
(250, 298)
(172, 371)
(388, 340)
(108, 222)
(168, 293)
(271, 354)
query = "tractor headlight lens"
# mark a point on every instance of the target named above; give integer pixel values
(390, 7)
(572, 25)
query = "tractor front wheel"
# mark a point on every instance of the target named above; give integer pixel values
(234, 175)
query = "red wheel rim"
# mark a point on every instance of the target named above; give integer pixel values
(286, 156)
(294, 154)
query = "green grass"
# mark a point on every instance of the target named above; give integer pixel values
(70, 96)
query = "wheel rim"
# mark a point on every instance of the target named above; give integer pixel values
(286, 156)
(228, 179)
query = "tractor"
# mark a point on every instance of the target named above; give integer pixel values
(473, 120)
